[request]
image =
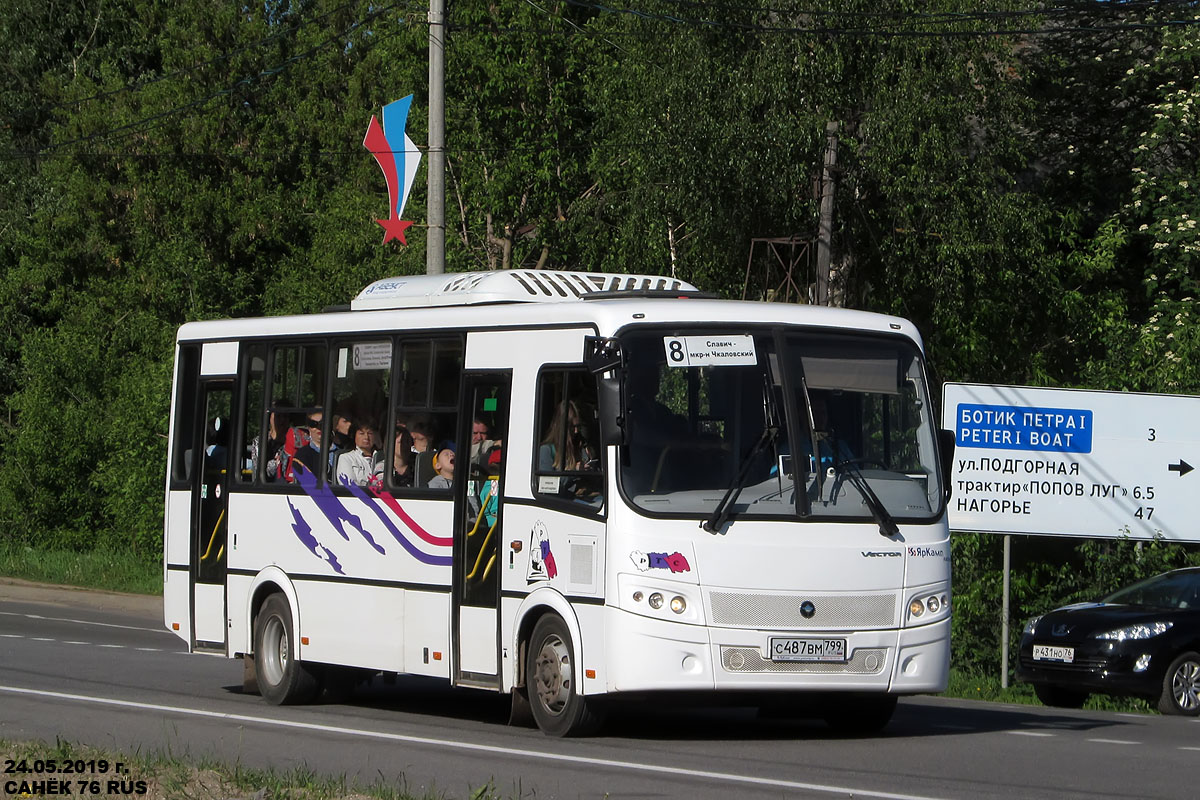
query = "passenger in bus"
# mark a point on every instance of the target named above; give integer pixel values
(363, 464)
(649, 417)
(310, 454)
(402, 458)
(480, 443)
(340, 433)
(276, 428)
(443, 465)
(295, 442)
(574, 454)
(423, 435)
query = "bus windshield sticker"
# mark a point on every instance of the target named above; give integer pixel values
(719, 350)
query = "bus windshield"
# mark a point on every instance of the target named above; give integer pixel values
(800, 424)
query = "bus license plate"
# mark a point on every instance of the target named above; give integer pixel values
(796, 649)
(1045, 652)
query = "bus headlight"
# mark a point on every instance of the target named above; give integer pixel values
(928, 607)
(669, 601)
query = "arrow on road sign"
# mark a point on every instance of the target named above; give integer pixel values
(1183, 468)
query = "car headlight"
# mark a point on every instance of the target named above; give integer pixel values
(1031, 626)
(1143, 630)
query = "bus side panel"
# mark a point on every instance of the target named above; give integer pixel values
(177, 575)
(546, 548)
(427, 633)
(354, 625)
(365, 578)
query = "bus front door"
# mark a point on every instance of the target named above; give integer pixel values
(210, 504)
(478, 511)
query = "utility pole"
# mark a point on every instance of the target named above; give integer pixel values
(435, 242)
(825, 227)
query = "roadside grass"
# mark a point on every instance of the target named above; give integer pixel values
(96, 569)
(167, 776)
(971, 686)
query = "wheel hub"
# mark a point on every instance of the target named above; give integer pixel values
(552, 674)
(1185, 686)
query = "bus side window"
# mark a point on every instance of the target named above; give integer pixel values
(430, 374)
(254, 444)
(297, 390)
(568, 457)
(361, 383)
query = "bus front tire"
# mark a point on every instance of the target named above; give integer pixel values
(554, 698)
(282, 679)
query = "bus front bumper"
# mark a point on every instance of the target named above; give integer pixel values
(654, 655)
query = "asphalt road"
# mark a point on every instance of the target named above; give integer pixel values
(99, 669)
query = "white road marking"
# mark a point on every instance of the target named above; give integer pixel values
(83, 622)
(1112, 741)
(1029, 733)
(537, 755)
(76, 642)
(112, 646)
(43, 639)
(1196, 749)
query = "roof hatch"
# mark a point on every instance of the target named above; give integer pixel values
(508, 286)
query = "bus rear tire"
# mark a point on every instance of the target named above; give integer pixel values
(282, 679)
(554, 698)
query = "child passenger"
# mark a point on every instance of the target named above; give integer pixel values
(443, 463)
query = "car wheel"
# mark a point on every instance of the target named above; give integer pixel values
(557, 705)
(858, 716)
(1058, 697)
(1181, 686)
(281, 678)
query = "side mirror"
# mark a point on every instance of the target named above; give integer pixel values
(610, 410)
(946, 444)
(602, 355)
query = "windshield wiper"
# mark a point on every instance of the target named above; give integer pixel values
(724, 508)
(887, 525)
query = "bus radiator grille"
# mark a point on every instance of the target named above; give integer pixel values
(833, 612)
(863, 661)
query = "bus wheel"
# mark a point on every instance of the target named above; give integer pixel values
(558, 707)
(282, 679)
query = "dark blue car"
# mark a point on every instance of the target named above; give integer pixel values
(1143, 641)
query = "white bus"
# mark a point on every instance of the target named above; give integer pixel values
(565, 487)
